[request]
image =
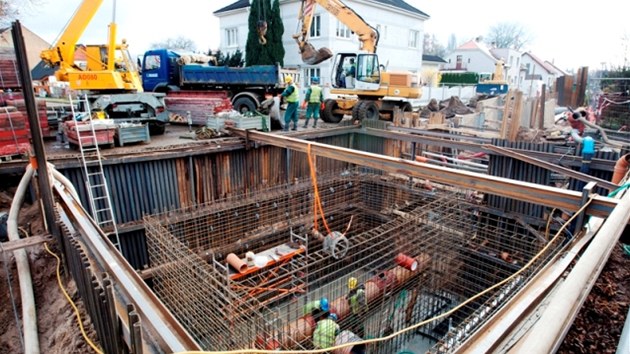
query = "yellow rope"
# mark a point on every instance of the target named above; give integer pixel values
(420, 324)
(76, 310)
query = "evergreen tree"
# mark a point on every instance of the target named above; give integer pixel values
(272, 52)
(275, 37)
(255, 52)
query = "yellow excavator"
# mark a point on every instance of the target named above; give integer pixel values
(372, 92)
(109, 76)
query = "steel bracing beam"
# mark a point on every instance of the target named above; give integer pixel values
(524, 191)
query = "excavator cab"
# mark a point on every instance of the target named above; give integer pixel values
(356, 71)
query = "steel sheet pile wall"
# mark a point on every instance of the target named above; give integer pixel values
(459, 251)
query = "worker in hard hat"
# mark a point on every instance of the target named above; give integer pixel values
(325, 332)
(292, 97)
(313, 101)
(317, 308)
(358, 305)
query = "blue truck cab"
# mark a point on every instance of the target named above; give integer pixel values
(159, 70)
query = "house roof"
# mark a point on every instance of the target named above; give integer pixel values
(549, 68)
(432, 58)
(560, 71)
(41, 70)
(475, 45)
(393, 3)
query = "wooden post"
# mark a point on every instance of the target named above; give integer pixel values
(543, 95)
(516, 116)
(506, 114)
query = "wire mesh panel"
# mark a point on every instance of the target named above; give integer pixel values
(385, 254)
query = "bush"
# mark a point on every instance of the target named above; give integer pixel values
(456, 79)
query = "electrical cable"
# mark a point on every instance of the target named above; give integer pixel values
(15, 310)
(76, 310)
(419, 324)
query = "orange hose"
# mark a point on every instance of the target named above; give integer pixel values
(317, 202)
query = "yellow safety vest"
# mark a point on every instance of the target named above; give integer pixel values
(316, 93)
(293, 97)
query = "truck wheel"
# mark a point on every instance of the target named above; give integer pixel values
(244, 104)
(355, 111)
(328, 114)
(156, 128)
(368, 110)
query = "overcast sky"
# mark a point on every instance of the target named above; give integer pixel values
(566, 32)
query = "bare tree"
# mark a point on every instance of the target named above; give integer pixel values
(180, 42)
(508, 35)
(432, 46)
(12, 9)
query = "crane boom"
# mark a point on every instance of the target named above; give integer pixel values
(368, 35)
(62, 52)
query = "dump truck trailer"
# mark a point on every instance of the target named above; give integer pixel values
(164, 70)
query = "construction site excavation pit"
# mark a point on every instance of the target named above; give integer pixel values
(237, 273)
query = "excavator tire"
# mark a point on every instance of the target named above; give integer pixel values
(368, 110)
(406, 107)
(355, 111)
(328, 114)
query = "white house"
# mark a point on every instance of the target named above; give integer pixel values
(399, 24)
(472, 56)
(512, 60)
(536, 72)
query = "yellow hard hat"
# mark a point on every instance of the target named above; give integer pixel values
(352, 283)
(288, 79)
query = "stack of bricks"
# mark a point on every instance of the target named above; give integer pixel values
(9, 74)
(14, 132)
(42, 116)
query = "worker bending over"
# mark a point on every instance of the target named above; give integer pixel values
(293, 98)
(317, 308)
(325, 332)
(313, 100)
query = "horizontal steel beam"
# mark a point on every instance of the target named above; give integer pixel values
(10, 246)
(457, 142)
(524, 191)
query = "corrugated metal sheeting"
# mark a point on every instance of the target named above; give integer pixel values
(159, 185)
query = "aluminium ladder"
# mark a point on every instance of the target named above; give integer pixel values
(95, 181)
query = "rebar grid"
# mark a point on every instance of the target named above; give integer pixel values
(459, 250)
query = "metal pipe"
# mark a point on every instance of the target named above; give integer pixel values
(551, 328)
(575, 134)
(601, 131)
(29, 316)
(621, 169)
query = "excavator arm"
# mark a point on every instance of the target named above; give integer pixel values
(368, 35)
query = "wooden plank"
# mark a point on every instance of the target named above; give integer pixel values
(11, 246)
(506, 114)
(515, 124)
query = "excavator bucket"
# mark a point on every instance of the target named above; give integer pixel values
(312, 56)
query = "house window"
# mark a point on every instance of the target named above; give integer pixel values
(342, 30)
(517, 60)
(414, 38)
(310, 73)
(382, 31)
(458, 62)
(468, 60)
(527, 68)
(316, 27)
(231, 35)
